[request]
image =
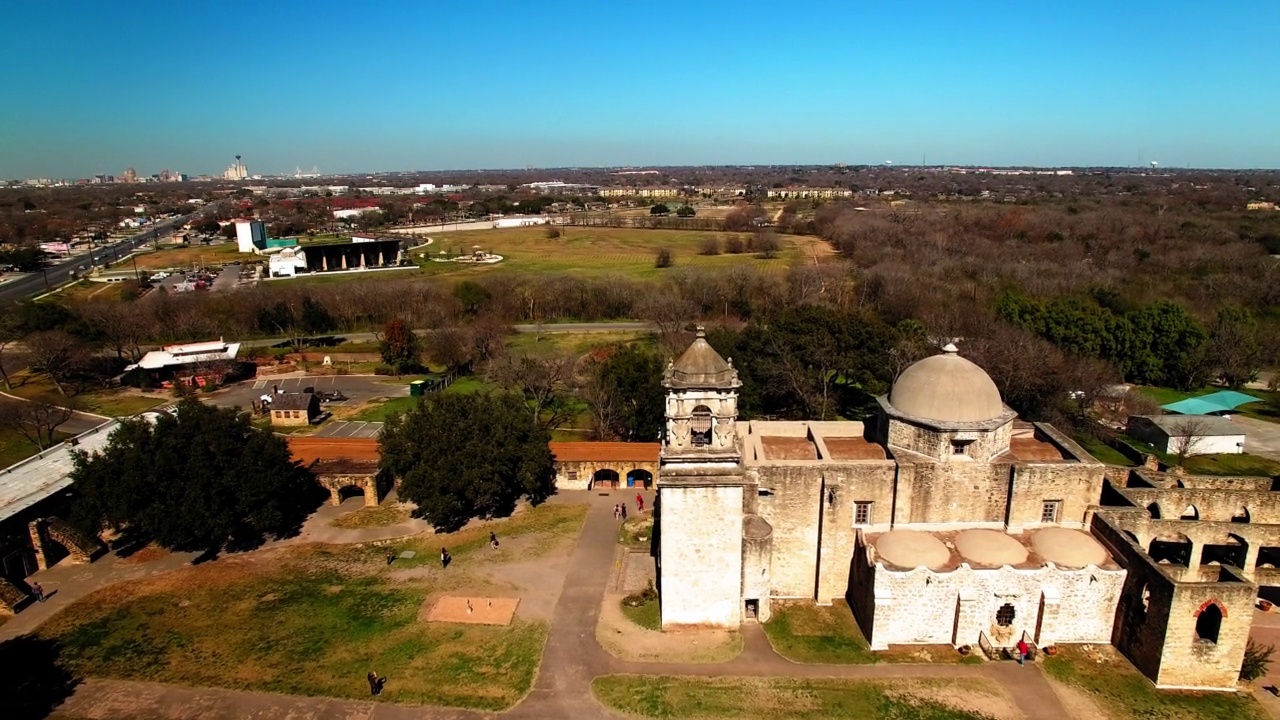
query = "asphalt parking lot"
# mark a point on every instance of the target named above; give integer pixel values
(357, 388)
(352, 429)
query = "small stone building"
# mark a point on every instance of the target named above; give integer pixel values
(338, 475)
(294, 408)
(605, 465)
(946, 520)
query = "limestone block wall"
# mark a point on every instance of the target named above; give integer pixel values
(951, 494)
(1190, 663)
(870, 481)
(790, 499)
(700, 561)
(583, 471)
(955, 607)
(1215, 504)
(983, 445)
(1076, 485)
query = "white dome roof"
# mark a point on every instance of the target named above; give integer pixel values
(947, 388)
(912, 549)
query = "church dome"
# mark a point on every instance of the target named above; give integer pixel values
(947, 388)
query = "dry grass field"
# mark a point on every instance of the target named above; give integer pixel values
(624, 251)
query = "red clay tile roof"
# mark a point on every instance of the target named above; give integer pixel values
(605, 451)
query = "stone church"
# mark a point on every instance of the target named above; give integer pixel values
(946, 520)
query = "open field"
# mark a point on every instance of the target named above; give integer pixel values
(388, 513)
(728, 697)
(624, 251)
(120, 402)
(1109, 681)
(314, 619)
(185, 257)
(14, 447)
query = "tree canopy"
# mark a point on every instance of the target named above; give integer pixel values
(400, 347)
(202, 478)
(468, 456)
(624, 394)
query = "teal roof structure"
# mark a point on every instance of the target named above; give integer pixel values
(1223, 401)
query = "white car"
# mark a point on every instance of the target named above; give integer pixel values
(159, 276)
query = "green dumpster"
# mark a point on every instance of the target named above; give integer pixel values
(417, 387)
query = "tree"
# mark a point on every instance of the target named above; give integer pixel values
(399, 346)
(1186, 436)
(664, 258)
(36, 420)
(543, 380)
(36, 680)
(659, 209)
(686, 211)
(11, 331)
(57, 355)
(767, 243)
(468, 456)
(1233, 349)
(202, 478)
(314, 317)
(624, 394)
(473, 296)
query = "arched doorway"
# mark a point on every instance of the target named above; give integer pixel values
(346, 492)
(605, 479)
(1174, 548)
(640, 479)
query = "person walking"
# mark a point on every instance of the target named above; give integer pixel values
(445, 557)
(38, 590)
(616, 512)
(493, 540)
(639, 503)
(1023, 651)
(624, 512)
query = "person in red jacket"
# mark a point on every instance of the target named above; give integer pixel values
(639, 502)
(1023, 651)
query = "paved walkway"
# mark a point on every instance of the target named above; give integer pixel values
(571, 659)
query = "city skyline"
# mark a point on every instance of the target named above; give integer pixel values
(487, 86)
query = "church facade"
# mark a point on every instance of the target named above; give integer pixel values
(943, 520)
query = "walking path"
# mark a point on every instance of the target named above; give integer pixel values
(571, 659)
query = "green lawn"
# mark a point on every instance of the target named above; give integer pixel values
(1104, 452)
(378, 516)
(648, 615)
(15, 448)
(380, 410)
(808, 633)
(1241, 464)
(313, 620)
(1124, 693)
(792, 699)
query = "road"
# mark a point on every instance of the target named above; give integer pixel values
(55, 275)
(548, 328)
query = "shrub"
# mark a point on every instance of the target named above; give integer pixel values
(664, 259)
(383, 370)
(709, 246)
(1257, 658)
(553, 232)
(644, 597)
(734, 245)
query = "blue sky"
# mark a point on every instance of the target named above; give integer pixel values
(98, 86)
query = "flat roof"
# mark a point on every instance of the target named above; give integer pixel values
(1204, 425)
(186, 355)
(29, 481)
(605, 451)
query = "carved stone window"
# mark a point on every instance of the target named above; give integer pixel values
(700, 426)
(1005, 615)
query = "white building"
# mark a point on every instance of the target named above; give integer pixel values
(354, 212)
(187, 354)
(1188, 434)
(520, 221)
(236, 171)
(251, 236)
(287, 263)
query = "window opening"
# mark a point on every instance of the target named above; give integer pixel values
(862, 513)
(1049, 511)
(1005, 615)
(1208, 623)
(700, 426)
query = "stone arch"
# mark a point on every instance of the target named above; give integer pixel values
(1154, 510)
(1172, 548)
(1190, 513)
(1241, 515)
(1232, 552)
(604, 478)
(1133, 538)
(1209, 621)
(346, 492)
(640, 478)
(54, 540)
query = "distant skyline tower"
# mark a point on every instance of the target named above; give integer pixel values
(237, 171)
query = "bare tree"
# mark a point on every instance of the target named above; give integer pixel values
(544, 380)
(603, 406)
(670, 311)
(1187, 435)
(10, 333)
(56, 354)
(36, 420)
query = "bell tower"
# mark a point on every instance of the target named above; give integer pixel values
(700, 492)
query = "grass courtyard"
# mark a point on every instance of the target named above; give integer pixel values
(800, 699)
(624, 251)
(314, 619)
(1121, 691)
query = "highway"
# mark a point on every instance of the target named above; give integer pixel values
(51, 277)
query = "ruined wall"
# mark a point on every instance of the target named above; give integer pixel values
(1187, 662)
(700, 538)
(1214, 504)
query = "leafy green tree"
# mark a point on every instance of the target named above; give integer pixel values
(1168, 347)
(202, 478)
(624, 394)
(400, 347)
(659, 209)
(686, 211)
(468, 456)
(473, 296)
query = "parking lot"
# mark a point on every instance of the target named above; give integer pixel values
(358, 389)
(352, 429)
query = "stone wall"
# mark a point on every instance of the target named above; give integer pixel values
(700, 538)
(982, 445)
(586, 470)
(1076, 485)
(1215, 504)
(956, 607)
(952, 494)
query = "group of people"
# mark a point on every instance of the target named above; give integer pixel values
(620, 509)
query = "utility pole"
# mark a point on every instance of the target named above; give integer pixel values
(136, 275)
